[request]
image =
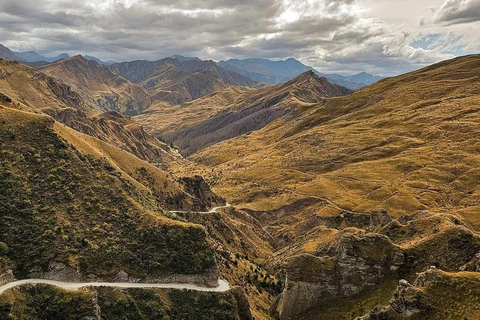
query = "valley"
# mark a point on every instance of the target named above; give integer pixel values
(187, 189)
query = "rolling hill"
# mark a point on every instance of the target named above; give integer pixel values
(383, 179)
(244, 112)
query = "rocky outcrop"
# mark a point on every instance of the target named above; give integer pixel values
(243, 305)
(473, 265)
(360, 262)
(407, 302)
(119, 130)
(5, 98)
(61, 272)
(6, 273)
(200, 193)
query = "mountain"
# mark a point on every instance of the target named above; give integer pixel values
(251, 110)
(273, 72)
(8, 54)
(98, 60)
(29, 89)
(99, 86)
(175, 80)
(36, 90)
(93, 210)
(32, 56)
(364, 77)
(383, 179)
(264, 70)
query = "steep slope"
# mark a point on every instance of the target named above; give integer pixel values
(45, 302)
(433, 295)
(30, 89)
(171, 119)
(99, 86)
(253, 110)
(177, 80)
(319, 181)
(37, 90)
(74, 208)
(7, 54)
(403, 144)
(274, 72)
(118, 130)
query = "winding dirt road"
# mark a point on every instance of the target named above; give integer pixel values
(213, 210)
(222, 284)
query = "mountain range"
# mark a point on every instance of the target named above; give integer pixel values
(247, 111)
(256, 70)
(311, 200)
(34, 57)
(274, 72)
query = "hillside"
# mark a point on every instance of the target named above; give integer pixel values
(90, 210)
(30, 89)
(397, 159)
(118, 130)
(36, 90)
(245, 112)
(411, 129)
(99, 86)
(176, 80)
(43, 302)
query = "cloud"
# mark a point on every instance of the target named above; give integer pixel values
(332, 35)
(458, 11)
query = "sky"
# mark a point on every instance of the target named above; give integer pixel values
(384, 37)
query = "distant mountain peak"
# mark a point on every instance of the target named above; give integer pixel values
(7, 54)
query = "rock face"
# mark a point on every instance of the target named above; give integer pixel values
(407, 302)
(473, 265)
(119, 130)
(6, 273)
(200, 191)
(61, 272)
(360, 262)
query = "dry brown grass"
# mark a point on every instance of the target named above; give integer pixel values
(404, 144)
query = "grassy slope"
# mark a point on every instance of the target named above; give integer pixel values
(404, 144)
(60, 204)
(243, 113)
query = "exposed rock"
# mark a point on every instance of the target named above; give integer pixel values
(408, 300)
(242, 303)
(61, 272)
(472, 265)
(361, 261)
(57, 271)
(119, 130)
(122, 276)
(5, 98)
(200, 192)
(7, 276)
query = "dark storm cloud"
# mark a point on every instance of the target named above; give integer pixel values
(458, 11)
